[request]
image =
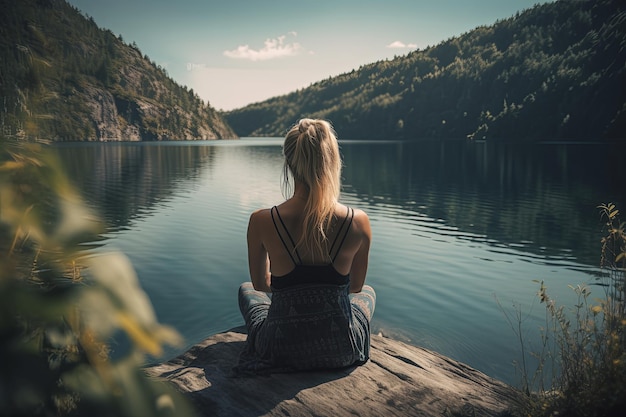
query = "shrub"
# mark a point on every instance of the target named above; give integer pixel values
(61, 304)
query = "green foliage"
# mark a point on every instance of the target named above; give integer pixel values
(555, 71)
(582, 360)
(63, 78)
(61, 305)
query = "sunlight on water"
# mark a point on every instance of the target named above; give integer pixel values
(455, 231)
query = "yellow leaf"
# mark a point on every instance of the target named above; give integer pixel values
(144, 340)
(9, 165)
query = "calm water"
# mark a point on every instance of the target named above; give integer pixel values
(456, 227)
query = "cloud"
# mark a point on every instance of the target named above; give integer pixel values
(273, 48)
(400, 45)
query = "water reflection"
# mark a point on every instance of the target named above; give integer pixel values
(125, 181)
(540, 197)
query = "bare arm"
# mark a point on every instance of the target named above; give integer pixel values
(361, 258)
(258, 261)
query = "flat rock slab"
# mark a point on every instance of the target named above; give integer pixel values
(398, 380)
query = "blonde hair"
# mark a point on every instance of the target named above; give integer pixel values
(312, 157)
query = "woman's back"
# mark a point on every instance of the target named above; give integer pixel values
(349, 231)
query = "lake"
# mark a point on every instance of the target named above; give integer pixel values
(460, 230)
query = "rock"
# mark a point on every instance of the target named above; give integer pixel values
(101, 104)
(398, 380)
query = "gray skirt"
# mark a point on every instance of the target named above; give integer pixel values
(305, 327)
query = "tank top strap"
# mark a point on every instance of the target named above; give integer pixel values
(282, 239)
(343, 232)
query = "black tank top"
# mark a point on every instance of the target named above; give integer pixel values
(311, 274)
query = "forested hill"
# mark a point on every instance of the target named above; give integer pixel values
(64, 78)
(555, 71)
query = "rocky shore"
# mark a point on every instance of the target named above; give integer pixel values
(398, 380)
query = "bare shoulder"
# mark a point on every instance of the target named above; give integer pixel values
(360, 215)
(262, 212)
(259, 217)
(360, 221)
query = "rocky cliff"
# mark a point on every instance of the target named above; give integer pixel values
(64, 78)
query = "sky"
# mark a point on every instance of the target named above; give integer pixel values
(237, 52)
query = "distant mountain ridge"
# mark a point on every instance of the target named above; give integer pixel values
(556, 71)
(63, 78)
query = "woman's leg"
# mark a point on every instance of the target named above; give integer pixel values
(365, 301)
(363, 304)
(253, 305)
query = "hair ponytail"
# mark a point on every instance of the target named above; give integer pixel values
(312, 157)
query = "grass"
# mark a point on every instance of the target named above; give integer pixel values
(581, 360)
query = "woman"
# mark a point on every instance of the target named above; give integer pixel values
(311, 253)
